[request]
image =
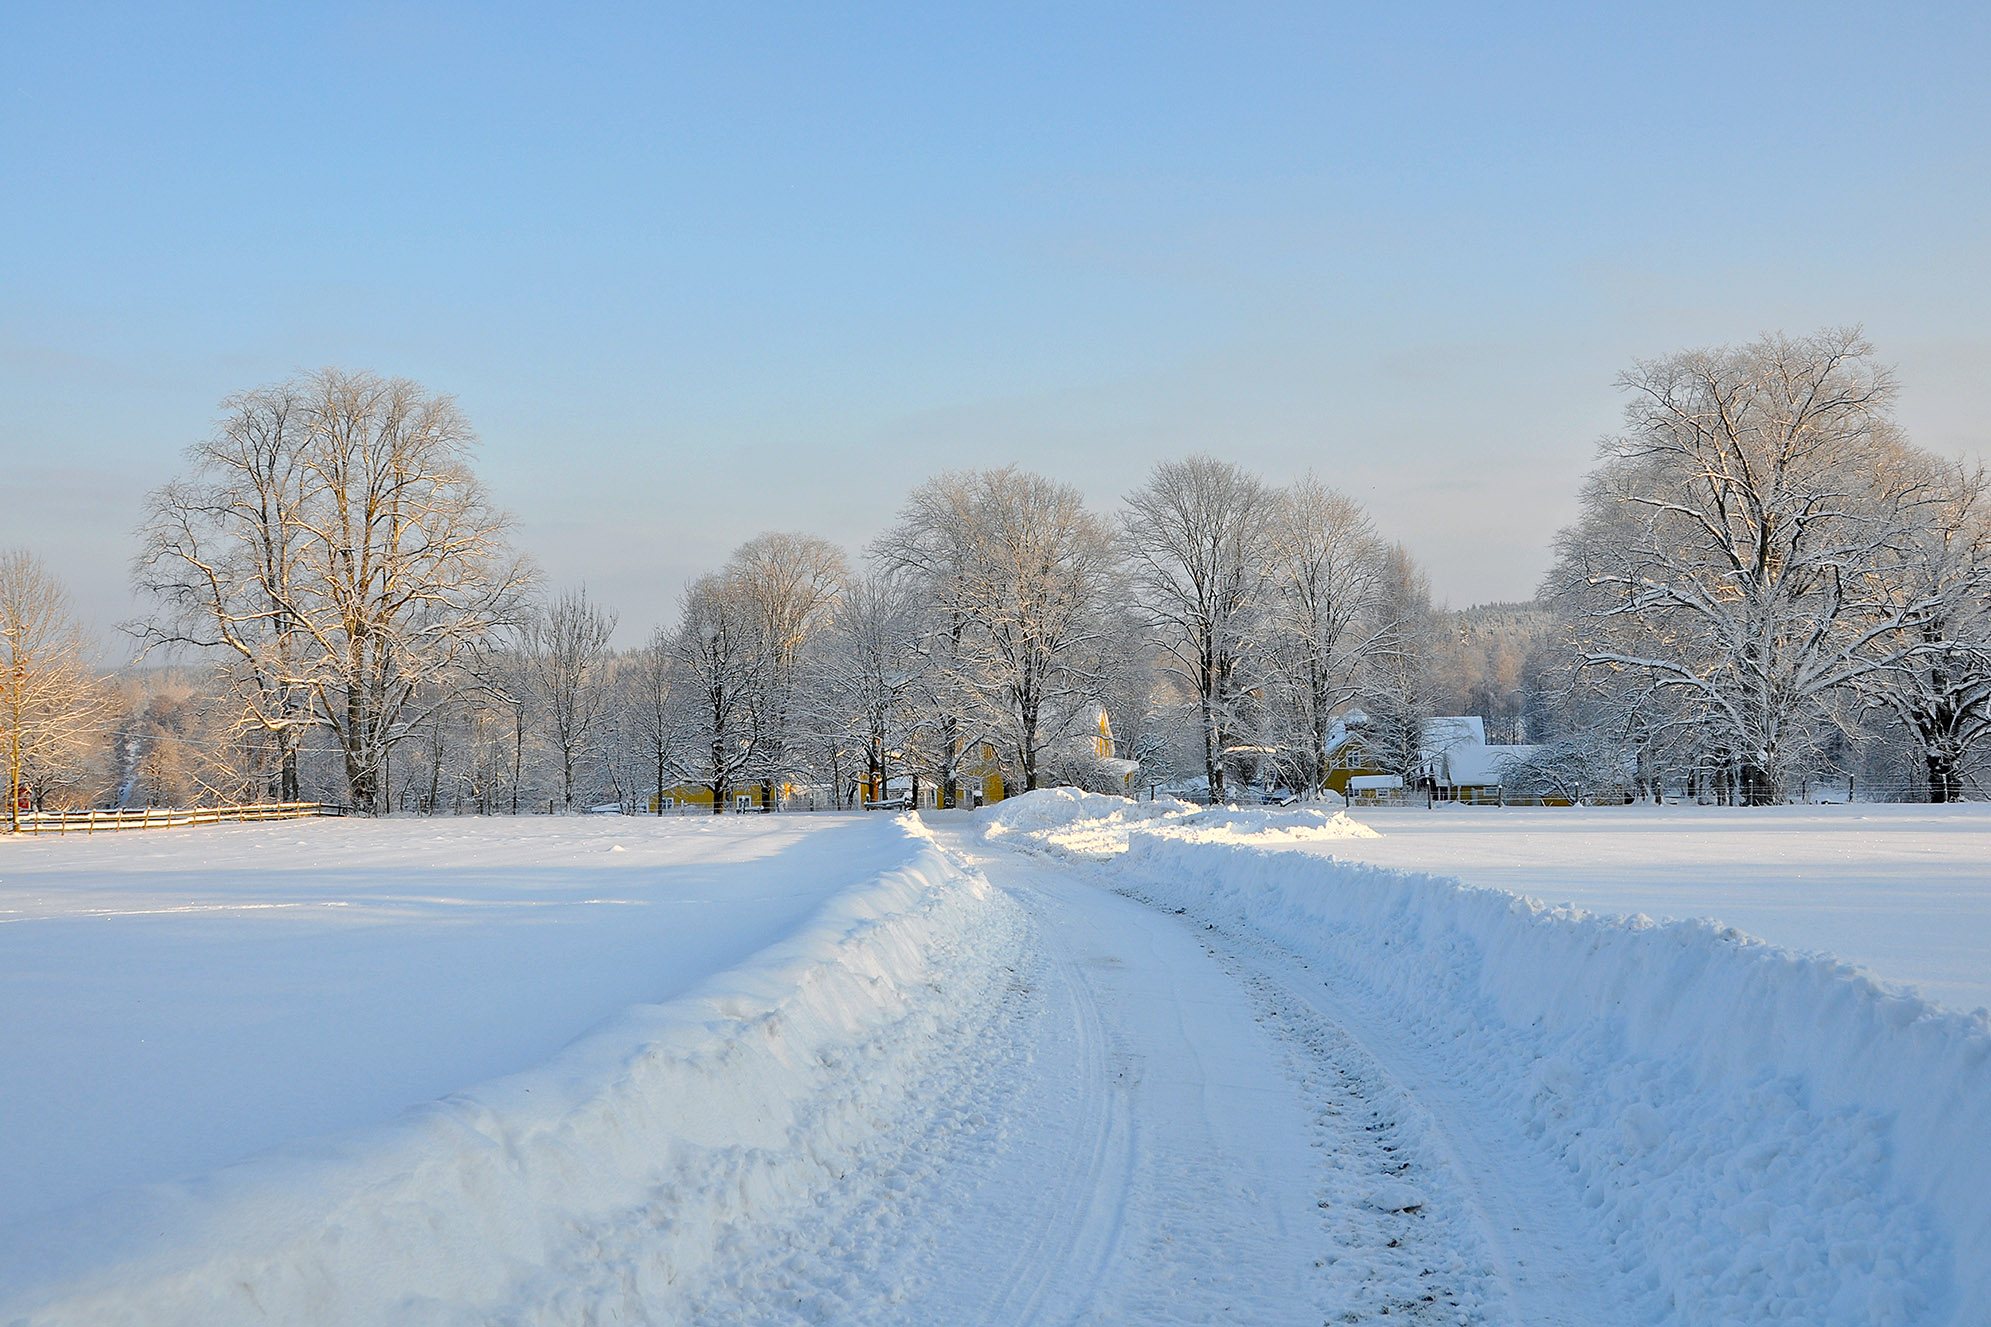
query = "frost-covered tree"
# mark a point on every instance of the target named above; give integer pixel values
(789, 583)
(870, 671)
(51, 706)
(1398, 692)
(930, 553)
(1935, 675)
(332, 542)
(1198, 535)
(1730, 538)
(1022, 575)
(569, 667)
(717, 652)
(1324, 601)
(654, 715)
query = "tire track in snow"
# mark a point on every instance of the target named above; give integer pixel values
(991, 1195)
(1157, 1121)
(1546, 1265)
(1051, 1278)
(1204, 1239)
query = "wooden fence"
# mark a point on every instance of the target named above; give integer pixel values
(94, 822)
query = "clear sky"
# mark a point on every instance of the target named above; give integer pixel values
(699, 271)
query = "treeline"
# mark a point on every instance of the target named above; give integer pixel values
(1767, 586)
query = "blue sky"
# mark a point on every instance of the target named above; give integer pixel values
(695, 273)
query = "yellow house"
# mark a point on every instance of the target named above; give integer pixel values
(698, 796)
(1348, 756)
(989, 770)
(983, 771)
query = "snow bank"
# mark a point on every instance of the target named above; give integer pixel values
(595, 1187)
(1100, 825)
(1763, 1134)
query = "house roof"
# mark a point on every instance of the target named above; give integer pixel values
(1443, 733)
(1466, 765)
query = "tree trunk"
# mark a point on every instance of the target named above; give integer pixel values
(950, 794)
(1213, 774)
(1945, 779)
(518, 753)
(1758, 787)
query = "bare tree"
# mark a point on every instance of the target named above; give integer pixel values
(790, 583)
(1937, 681)
(1729, 540)
(1325, 593)
(1199, 535)
(1398, 692)
(50, 704)
(872, 669)
(222, 551)
(1021, 573)
(333, 540)
(717, 652)
(568, 666)
(656, 710)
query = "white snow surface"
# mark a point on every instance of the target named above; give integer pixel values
(1075, 1060)
(1904, 891)
(1743, 1133)
(800, 971)
(173, 1000)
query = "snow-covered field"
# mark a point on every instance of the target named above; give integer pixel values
(175, 1001)
(171, 1001)
(1072, 1060)
(1904, 891)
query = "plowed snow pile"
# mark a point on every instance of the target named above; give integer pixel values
(598, 1186)
(1765, 1135)
(1097, 825)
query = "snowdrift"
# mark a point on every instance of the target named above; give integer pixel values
(1762, 1134)
(593, 1188)
(1097, 824)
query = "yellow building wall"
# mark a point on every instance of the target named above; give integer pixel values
(698, 795)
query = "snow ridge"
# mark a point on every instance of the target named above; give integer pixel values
(1761, 1134)
(596, 1187)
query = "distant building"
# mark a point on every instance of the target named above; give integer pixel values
(1458, 764)
(1455, 763)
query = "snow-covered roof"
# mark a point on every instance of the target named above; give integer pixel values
(1450, 730)
(1344, 727)
(1466, 765)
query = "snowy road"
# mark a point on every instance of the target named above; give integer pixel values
(1170, 1123)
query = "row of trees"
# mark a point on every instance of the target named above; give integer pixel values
(330, 555)
(1766, 582)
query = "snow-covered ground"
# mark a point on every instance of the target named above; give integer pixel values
(602, 1177)
(1904, 891)
(1075, 1060)
(173, 1000)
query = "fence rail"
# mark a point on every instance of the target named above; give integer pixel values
(96, 822)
